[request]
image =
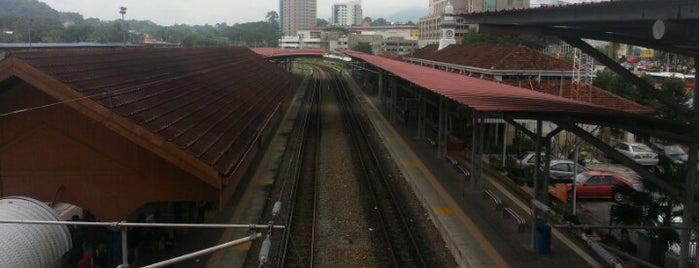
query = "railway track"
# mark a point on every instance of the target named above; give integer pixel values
(402, 246)
(299, 240)
(317, 227)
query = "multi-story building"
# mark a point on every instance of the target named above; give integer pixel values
(347, 14)
(388, 39)
(430, 26)
(296, 15)
(307, 38)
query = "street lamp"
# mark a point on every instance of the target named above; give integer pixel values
(122, 11)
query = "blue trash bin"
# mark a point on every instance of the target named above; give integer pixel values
(542, 240)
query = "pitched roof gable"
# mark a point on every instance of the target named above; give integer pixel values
(202, 106)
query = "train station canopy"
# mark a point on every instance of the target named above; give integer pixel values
(498, 100)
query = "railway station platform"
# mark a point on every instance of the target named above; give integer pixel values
(478, 234)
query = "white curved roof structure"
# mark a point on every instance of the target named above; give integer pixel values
(30, 245)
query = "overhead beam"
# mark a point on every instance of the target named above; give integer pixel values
(611, 36)
(626, 74)
(520, 127)
(650, 126)
(615, 11)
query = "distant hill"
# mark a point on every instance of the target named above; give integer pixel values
(410, 14)
(27, 9)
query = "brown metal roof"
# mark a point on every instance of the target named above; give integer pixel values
(503, 57)
(524, 58)
(271, 52)
(484, 95)
(211, 103)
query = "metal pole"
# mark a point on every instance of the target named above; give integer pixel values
(474, 138)
(536, 184)
(122, 11)
(440, 127)
(575, 174)
(204, 251)
(481, 143)
(124, 249)
(128, 224)
(30, 33)
(504, 143)
(688, 213)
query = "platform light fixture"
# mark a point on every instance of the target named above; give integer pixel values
(122, 11)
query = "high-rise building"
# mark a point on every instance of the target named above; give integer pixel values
(296, 15)
(347, 14)
(430, 26)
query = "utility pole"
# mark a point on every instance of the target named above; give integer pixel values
(122, 11)
(30, 33)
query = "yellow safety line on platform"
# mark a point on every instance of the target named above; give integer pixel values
(266, 181)
(215, 260)
(459, 213)
(443, 211)
(409, 165)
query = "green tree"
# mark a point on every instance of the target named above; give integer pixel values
(322, 23)
(202, 41)
(484, 39)
(273, 18)
(379, 22)
(478, 39)
(367, 19)
(363, 47)
(674, 87)
(77, 33)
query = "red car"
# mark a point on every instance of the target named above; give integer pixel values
(592, 184)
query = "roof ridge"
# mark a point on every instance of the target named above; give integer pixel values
(506, 56)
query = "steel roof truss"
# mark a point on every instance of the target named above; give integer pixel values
(608, 150)
(626, 74)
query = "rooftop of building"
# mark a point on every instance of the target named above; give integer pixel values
(203, 104)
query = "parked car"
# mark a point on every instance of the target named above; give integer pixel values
(559, 170)
(593, 184)
(638, 152)
(671, 152)
(522, 161)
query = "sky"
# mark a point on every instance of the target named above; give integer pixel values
(200, 12)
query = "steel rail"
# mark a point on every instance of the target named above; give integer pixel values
(360, 137)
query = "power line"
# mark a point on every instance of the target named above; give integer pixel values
(107, 94)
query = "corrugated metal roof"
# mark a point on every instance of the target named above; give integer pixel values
(270, 52)
(483, 95)
(502, 57)
(210, 102)
(523, 58)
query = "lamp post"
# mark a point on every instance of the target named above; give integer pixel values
(122, 11)
(30, 33)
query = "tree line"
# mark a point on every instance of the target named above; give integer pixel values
(33, 21)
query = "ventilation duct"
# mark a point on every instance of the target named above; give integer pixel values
(30, 245)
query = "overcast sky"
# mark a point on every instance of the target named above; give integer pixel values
(169, 12)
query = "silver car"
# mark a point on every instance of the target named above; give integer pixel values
(638, 152)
